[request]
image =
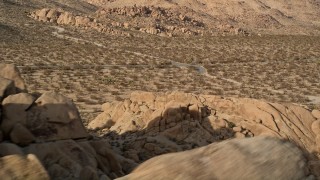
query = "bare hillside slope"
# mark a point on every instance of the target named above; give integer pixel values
(279, 17)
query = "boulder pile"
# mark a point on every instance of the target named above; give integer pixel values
(42, 136)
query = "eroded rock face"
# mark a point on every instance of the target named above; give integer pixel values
(249, 158)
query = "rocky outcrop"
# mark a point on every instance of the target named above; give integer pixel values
(151, 20)
(250, 158)
(155, 20)
(62, 17)
(42, 137)
(151, 124)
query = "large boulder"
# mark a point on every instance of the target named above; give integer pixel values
(55, 117)
(250, 158)
(50, 117)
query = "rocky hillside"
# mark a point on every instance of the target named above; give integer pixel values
(42, 137)
(190, 18)
(266, 16)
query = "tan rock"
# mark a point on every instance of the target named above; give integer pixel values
(236, 129)
(82, 21)
(53, 14)
(103, 120)
(11, 72)
(66, 18)
(316, 127)
(43, 12)
(56, 117)
(21, 135)
(239, 135)
(316, 113)
(254, 158)
(22, 167)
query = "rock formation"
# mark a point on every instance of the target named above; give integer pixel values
(62, 17)
(151, 124)
(146, 19)
(43, 136)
